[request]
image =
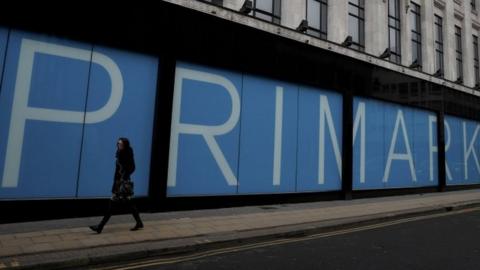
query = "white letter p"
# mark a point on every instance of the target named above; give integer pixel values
(21, 111)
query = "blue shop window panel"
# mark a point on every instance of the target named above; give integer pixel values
(400, 172)
(49, 165)
(308, 176)
(207, 104)
(417, 129)
(380, 120)
(459, 129)
(454, 150)
(375, 152)
(133, 119)
(424, 138)
(257, 136)
(59, 78)
(6, 100)
(200, 107)
(50, 151)
(3, 47)
(473, 165)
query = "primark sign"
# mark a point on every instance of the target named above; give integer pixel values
(63, 104)
(235, 133)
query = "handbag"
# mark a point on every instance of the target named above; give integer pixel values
(126, 188)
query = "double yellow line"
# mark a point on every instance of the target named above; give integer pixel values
(203, 254)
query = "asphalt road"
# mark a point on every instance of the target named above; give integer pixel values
(444, 242)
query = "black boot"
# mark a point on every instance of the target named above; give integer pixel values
(136, 215)
(96, 228)
(138, 226)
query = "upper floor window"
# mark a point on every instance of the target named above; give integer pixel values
(268, 10)
(356, 23)
(476, 60)
(459, 53)
(439, 46)
(394, 30)
(317, 18)
(473, 4)
(416, 36)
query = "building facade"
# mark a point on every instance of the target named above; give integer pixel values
(421, 35)
(239, 102)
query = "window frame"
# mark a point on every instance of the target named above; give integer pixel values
(275, 14)
(416, 31)
(394, 24)
(438, 41)
(476, 60)
(360, 19)
(459, 52)
(322, 32)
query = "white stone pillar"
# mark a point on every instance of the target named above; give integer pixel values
(376, 26)
(449, 41)
(428, 36)
(406, 32)
(293, 12)
(233, 4)
(467, 44)
(337, 25)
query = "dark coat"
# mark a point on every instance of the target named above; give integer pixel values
(124, 167)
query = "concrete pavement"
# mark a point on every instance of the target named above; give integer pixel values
(69, 242)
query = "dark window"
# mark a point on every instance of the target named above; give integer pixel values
(356, 23)
(476, 60)
(215, 2)
(317, 18)
(394, 30)
(458, 52)
(416, 35)
(439, 45)
(473, 4)
(268, 10)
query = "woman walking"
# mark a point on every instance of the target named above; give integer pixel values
(124, 167)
